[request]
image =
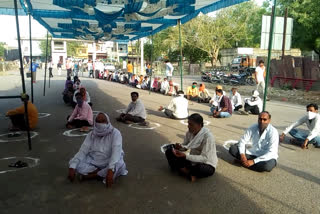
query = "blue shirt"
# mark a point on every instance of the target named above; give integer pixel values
(34, 67)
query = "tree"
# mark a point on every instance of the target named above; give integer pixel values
(72, 47)
(306, 31)
(2, 49)
(43, 45)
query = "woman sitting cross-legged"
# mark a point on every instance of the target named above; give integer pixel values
(202, 160)
(101, 154)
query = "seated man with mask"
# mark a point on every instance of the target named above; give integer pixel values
(101, 154)
(202, 160)
(263, 154)
(253, 104)
(135, 112)
(224, 108)
(193, 92)
(82, 115)
(178, 107)
(312, 120)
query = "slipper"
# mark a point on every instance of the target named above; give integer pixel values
(18, 164)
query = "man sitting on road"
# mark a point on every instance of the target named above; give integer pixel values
(236, 100)
(214, 100)
(263, 154)
(101, 154)
(202, 159)
(312, 120)
(224, 108)
(82, 115)
(193, 92)
(178, 107)
(253, 104)
(164, 86)
(135, 112)
(17, 116)
(204, 95)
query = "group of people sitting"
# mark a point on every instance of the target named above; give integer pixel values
(221, 105)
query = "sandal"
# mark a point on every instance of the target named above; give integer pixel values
(14, 134)
(18, 164)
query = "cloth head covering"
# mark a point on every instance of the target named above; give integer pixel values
(218, 87)
(84, 97)
(101, 133)
(255, 93)
(202, 87)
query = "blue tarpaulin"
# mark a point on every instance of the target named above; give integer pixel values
(106, 20)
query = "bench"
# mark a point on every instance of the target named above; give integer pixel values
(294, 81)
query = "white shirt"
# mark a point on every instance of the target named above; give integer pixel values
(137, 109)
(313, 126)
(235, 100)
(260, 72)
(265, 147)
(89, 66)
(164, 85)
(256, 102)
(169, 69)
(203, 147)
(179, 107)
(124, 65)
(215, 99)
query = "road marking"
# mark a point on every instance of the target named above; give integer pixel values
(185, 122)
(121, 111)
(229, 143)
(35, 162)
(69, 133)
(13, 139)
(137, 126)
(42, 115)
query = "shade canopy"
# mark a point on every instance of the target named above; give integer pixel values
(106, 20)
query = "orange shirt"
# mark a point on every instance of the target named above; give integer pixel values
(32, 114)
(130, 68)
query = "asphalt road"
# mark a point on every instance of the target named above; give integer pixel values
(150, 187)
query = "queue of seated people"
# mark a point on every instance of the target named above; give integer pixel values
(101, 155)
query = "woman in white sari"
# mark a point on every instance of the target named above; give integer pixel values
(202, 160)
(101, 154)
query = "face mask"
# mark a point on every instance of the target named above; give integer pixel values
(102, 126)
(79, 102)
(193, 86)
(311, 115)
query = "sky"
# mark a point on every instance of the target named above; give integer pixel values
(8, 24)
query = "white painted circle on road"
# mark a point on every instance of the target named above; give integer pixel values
(32, 162)
(23, 136)
(137, 126)
(121, 111)
(229, 143)
(76, 132)
(42, 115)
(185, 122)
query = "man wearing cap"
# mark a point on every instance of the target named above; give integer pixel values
(224, 108)
(253, 104)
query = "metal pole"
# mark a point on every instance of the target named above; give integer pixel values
(51, 63)
(45, 68)
(180, 46)
(30, 40)
(22, 74)
(269, 53)
(151, 63)
(284, 32)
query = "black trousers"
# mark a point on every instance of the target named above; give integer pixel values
(129, 117)
(78, 123)
(69, 71)
(261, 166)
(91, 73)
(50, 72)
(18, 121)
(252, 109)
(237, 108)
(200, 170)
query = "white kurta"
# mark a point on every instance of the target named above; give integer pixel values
(137, 109)
(100, 153)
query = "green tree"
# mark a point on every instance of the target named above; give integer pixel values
(72, 47)
(306, 31)
(2, 49)
(43, 45)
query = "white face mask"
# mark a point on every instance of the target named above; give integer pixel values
(102, 126)
(311, 115)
